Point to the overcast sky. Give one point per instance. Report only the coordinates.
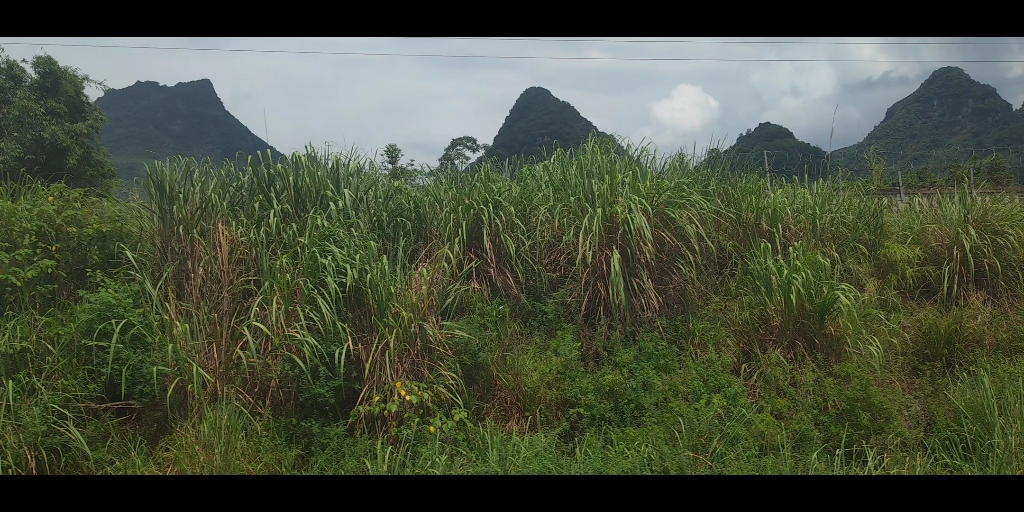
(421, 103)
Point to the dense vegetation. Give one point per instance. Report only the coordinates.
(149, 121)
(595, 312)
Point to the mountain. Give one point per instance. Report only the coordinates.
(950, 110)
(786, 154)
(538, 120)
(148, 121)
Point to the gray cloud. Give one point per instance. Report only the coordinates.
(422, 103)
(887, 80)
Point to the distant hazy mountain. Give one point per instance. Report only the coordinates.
(148, 121)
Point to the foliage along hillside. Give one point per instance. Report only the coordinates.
(149, 121)
(537, 121)
(787, 155)
(950, 110)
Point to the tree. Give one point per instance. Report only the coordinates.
(49, 129)
(958, 174)
(997, 172)
(392, 161)
(459, 152)
(392, 155)
(921, 177)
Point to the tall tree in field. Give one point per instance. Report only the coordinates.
(49, 129)
(459, 152)
(392, 163)
(393, 160)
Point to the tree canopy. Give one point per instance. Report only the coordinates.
(49, 129)
(391, 162)
(459, 152)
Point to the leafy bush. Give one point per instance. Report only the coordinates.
(54, 238)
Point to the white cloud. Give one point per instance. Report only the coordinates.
(688, 109)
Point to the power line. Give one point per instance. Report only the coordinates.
(695, 41)
(525, 57)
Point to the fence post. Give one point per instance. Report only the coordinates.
(899, 176)
(767, 172)
(972, 177)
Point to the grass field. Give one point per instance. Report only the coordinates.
(592, 313)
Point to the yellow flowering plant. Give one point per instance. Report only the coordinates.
(410, 407)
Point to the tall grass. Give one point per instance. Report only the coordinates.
(990, 437)
(594, 311)
(312, 268)
(807, 308)
(971, 243)
(623, 234)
